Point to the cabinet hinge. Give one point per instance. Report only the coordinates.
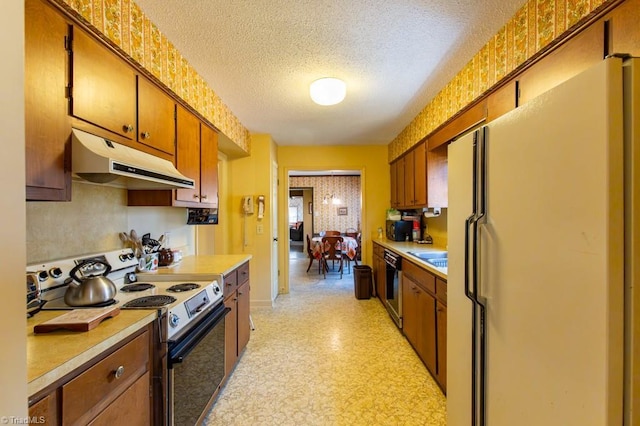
(68, 43)
(69, 92)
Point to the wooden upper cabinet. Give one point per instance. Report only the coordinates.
(420, 174)
(156, 117)
(571, 58)
(188, 153)
(208, 165)
(400, 184)
(103, 90)
(393, 181)
(409, 178)
(437, 177)
(48, 129)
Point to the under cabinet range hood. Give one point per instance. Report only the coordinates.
(100, 160)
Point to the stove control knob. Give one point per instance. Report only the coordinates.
(174, 320)
(42, 275)
(55, 272)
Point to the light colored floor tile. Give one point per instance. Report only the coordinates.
(322, 357)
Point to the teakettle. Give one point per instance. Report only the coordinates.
(90, 290)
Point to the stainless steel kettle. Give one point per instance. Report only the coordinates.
(91, 289)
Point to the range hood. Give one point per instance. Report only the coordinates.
(100, 160)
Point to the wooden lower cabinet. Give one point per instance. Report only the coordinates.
(45, 411)
(419, 321)
(126, 408)
(237, 296)
(379, 271)
(424, 318)
(115, 389)
(441, 321)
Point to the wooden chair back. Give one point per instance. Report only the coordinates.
(332, 251)
(332, 233)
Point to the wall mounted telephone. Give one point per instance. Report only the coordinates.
(247, 204)
(260, 206)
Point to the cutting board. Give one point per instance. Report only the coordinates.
(78, 320)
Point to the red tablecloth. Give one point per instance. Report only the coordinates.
(349, 246)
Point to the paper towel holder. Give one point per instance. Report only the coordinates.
(435, 213)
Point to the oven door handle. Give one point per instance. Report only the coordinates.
(181, 348)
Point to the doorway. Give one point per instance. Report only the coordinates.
(300, 220)
(335, 203)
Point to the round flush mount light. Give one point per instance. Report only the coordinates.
(328, 91)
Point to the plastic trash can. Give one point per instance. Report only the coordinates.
(363, 282)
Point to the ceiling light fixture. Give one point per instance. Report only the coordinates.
(328, 91)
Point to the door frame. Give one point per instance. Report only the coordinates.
(284, 228)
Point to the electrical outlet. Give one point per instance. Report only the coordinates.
(260, 229)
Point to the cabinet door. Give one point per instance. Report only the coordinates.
(45, 409)
(104, 87)
(188, 153)
(131, 408)
(244, 322)
(409, 190)
(208, 166)
(427, 336)
(47, 132)
(420, 175)
(410, 312)
(231, 334)
(381, 277)
(441, 319)
(393, 173)
(400, 183)
(156, 117)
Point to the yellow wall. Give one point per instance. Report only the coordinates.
(252, 176)
(371, 160)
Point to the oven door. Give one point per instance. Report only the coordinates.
(196, 368)
(393, 296)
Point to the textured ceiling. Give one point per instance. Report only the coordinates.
(395, 55)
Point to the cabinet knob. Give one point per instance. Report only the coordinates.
(204, 197)
(127, 128)
(196, 196)
(119, 372)
(145, 135)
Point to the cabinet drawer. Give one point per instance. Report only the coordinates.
(243, 273)
(230, 283)
(419, 275)
(441, 290)
(92, 391)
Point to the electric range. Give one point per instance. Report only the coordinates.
(183, 302)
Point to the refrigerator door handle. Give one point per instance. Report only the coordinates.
(472, 279)
(470, 285)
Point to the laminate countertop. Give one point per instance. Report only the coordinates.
(50, 356)
(404, 247)
(200, 267)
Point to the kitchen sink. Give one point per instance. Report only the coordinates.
(438, 259)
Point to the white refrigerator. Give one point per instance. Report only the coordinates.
(544, 251)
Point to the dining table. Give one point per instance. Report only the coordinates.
(349, 247)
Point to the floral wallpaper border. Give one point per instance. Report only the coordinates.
(532, 28)
(126, 26)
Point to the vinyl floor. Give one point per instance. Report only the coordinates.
(323, 357)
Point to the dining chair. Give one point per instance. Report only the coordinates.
(332, 233)
(311, 256)
(350, 232)
(332, 247)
